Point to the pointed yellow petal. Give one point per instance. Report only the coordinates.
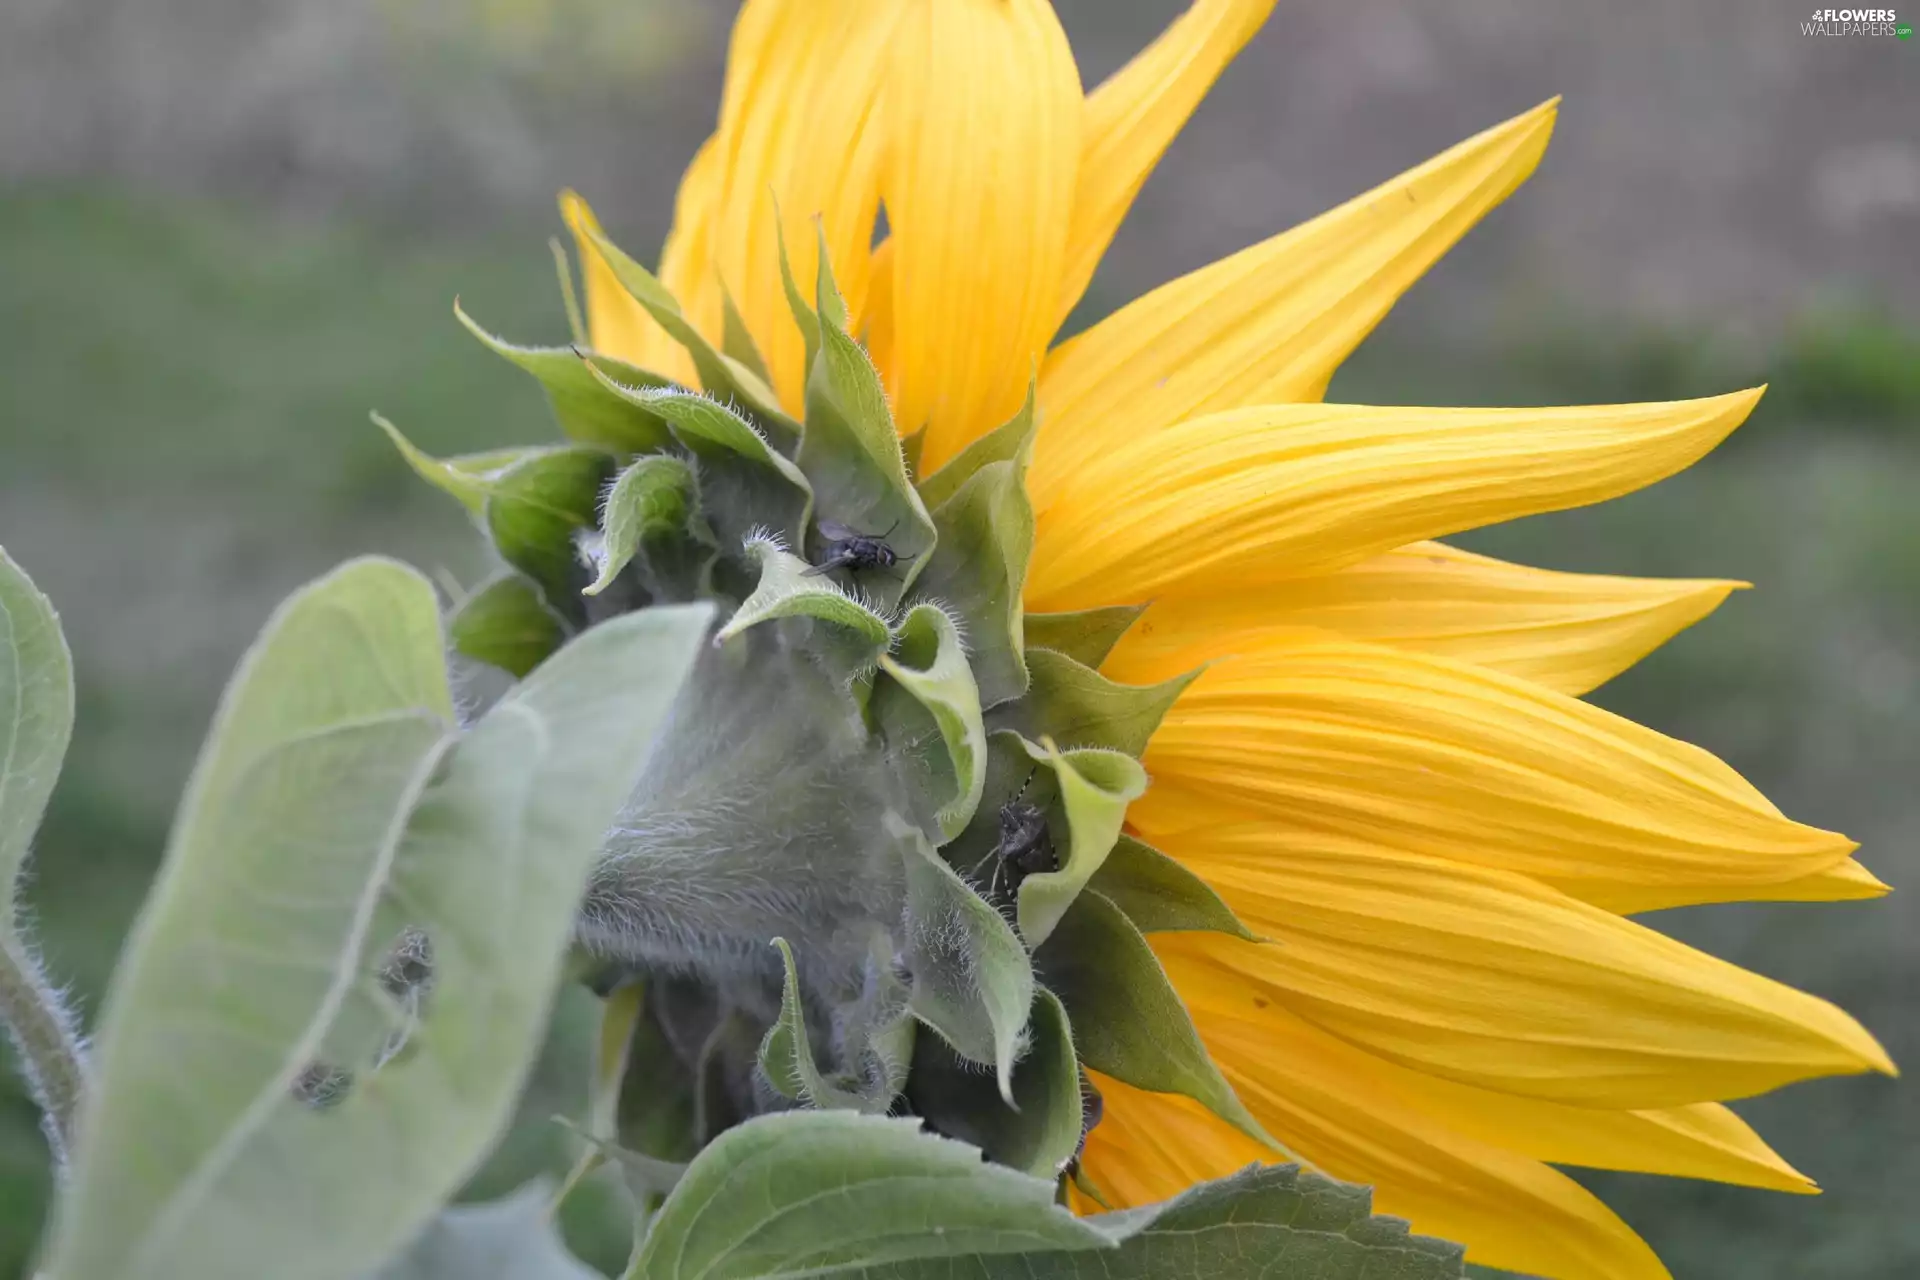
(1508, 1210)
(983, 104)
(1133, 117)
(617, 325)
(1255, 496)
(1441, 758)
(1701, 1140)
(1495, 980)
(800, 130)
(1568, 631)
(1843, 882)
(1272, 322)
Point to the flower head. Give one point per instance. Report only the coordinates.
(1128, 735)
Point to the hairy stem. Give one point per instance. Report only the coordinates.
(43, 1033)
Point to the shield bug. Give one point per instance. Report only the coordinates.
(1025, 846)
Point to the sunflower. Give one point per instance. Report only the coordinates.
(1387, 857)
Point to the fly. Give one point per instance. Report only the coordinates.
(849, 549)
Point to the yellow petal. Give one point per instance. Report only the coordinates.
(983, 104)
(1152, 1146)
(1843, 882)
(1133, 117)
(1568, 631)
(617, 325)
(1701, 1140)
(1271, 323)
(1508, 1210)
(1495, 980)
(799, 128)
(1441, 758)
(1259, 495)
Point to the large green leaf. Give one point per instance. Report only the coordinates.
(1076, 706)
(582, 405)
(931, 673)
(851, 453)
(507, 1239)
(535, 508)
(1086, 636)
(1271, 1222)
(1128, 1020)
(1039, 1133)
(36, 723)
(507, 623)
(1094, 787)
(331, 797)
(828, 1193)
(1161, 896)
(972, 980)
(720, 374)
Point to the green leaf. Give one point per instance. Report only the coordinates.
(826, 1193)
(745, 482)
(36, 724)
(979, 567)
(1008, 442)
(468, 478)
(720, 374)
(653, 499)
(508, 1239)
(1039, 1133)
(620, 1013)
(1268, 1222)
(851, 453)
(1094, 787)
(586, 411)
(656, 1105)
(325, 800)
(1087, 636)
(736, 340)
(972, 979)
(1161, 896)
(508, 624)
(534, 509)
(932, 669)
(786, 1055)
(1129, 1021)
(786, 590)
(36, 720)
(1076, 706)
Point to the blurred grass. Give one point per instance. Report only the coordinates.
(185, 440)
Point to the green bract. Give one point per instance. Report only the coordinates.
(846, 770)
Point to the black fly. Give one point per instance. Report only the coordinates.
(1025, 846)
(848, 549)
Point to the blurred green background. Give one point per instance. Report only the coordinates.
(226, 232)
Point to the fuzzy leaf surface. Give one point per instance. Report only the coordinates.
(1041, 1130)
(533, 510)
(586, 411)
(1267, 1222)
(972, 979)
(851, 452)
(467, 478)
(1076, 706)
(832, 1193)
(1129, 1021)
(653, 498)
(720, 374)
(931, 669)
(324, 800)
(1161, 896)
(786, 1056)
(1095, 788)
(979, 568)
(506, 1239)
(507, 623)
(787, 589)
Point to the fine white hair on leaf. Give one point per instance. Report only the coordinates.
(765, 536)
